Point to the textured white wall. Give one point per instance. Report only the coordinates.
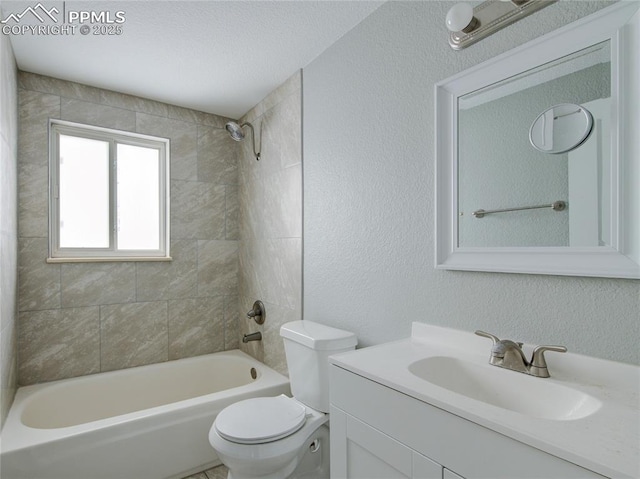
(368, 131)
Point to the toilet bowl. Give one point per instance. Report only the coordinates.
(281, 437)
(287, 436)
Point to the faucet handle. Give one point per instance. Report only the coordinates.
(258, 313)
(538, 362)
(495, 339)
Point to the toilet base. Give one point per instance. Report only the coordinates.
(314, 462)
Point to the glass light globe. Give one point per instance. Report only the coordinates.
(459, 17)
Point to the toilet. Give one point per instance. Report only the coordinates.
(281, 437)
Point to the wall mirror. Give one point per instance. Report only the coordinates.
(538, 155)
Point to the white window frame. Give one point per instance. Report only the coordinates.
(113, 137)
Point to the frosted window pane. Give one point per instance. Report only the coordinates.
(84, 193)
(138, 194)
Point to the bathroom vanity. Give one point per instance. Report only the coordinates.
(431, 406)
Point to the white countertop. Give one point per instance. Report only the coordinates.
(606, 442)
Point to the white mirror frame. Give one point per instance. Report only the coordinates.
(619, 23)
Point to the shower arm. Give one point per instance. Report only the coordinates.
(253, 137)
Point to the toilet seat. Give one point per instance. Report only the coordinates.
(260, 420)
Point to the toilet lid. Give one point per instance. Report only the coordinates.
(260, 420)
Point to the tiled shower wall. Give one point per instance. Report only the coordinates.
(271, 220)
(8, 224)
(83, 318)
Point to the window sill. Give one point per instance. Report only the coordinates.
(106, 259)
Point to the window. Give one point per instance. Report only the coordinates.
(109, 194)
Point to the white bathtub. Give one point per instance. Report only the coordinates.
(149, 422)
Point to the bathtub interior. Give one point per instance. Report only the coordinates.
(91, 398)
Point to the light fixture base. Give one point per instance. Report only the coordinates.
(494, 15)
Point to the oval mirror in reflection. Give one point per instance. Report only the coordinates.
(561, 128)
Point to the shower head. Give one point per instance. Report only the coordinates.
(235, 131)
(237, 134)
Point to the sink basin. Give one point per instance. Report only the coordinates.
(536, 397)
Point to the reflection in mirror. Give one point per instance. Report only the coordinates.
(561, 128)
(498, 169)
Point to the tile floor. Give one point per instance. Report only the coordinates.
(218, 472)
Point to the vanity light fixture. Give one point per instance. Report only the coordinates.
(468, 24)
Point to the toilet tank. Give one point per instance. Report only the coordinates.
(308, 346)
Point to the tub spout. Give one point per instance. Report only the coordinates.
(252, 337)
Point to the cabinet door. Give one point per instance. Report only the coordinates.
(359, 451)
(374, 455)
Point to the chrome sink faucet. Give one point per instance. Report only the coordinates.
(509, 355)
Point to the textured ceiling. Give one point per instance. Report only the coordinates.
(221, 57)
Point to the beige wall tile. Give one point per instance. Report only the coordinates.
(217, 268)
(9, 380)
(134, 103)
(201, 210)
(39, 282)
(217, 156)
(184, 114)
(97, 115)
(59, 343)
(133, 334)
(270, 221)
(277, 204)
(282, 134)
(196, 326)
(272, 270)
(184, 142)
(250, 216)
(232, 213)
(8, 358)
(8, 279)
(8, 95)
(36, 108)
(251, 279)
(84, 284)
(132, 296)
(169, 280)
(209, 119)
(197, 210)
(231, 322)
(55, 86)
(33, 199)
(9, 125)
(292, 85)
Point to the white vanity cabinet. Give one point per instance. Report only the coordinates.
(380, 433)
(362, 451)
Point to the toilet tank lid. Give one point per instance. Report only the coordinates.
(318, 336)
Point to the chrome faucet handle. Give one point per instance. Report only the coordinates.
(538, 365)
(493, 338)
